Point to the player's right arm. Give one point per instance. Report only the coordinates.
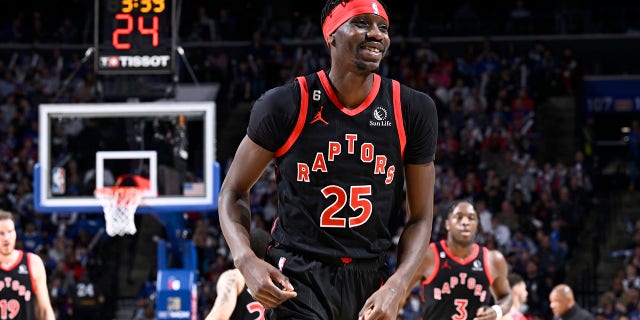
(235, 220)
(249, 163)
(228, 287)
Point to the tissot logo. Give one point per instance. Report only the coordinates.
(380, 115)
(158, 61)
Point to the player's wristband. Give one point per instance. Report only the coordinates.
(498, 310)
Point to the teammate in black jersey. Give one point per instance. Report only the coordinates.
(461, 279)
(234, 300)
(344, 141)
(23, 279)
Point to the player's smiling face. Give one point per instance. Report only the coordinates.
(462, 223)
(363, 39)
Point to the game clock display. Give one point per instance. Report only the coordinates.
(135, 36)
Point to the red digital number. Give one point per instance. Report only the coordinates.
(153, 31)
(115, 36)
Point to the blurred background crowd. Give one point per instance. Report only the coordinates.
(492, 70)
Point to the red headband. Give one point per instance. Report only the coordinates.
(345, 11)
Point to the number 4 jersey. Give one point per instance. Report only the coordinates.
(17, 292)
(339, 170)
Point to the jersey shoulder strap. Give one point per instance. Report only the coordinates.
(302, 116)
(397, 108)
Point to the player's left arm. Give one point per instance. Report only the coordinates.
(44, 311)
(421, 129)
(385, 302)
(414, 240)
(500, 288)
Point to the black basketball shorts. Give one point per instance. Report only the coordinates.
(328, 288)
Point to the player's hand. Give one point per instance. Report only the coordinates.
(261, 279)
(383, 304)
(486, 313)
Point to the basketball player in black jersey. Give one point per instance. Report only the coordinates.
(233, 300)
(23, 279)
(344, 141)
(460, 278)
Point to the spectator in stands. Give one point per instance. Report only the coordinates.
(631, 278)
(501, 232)
(484, 217)
(521, 181)
(552, 262)
(537, 287)
(87, 298)
(145, 299)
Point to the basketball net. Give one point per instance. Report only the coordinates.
(119, 204)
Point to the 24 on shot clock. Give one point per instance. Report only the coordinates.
(135, 36)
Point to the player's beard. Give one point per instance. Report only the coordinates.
(364, 70)
(5, 250)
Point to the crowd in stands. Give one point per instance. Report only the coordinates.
(622, 297)
(530, 208)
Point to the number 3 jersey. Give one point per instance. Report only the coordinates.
(456, 287)
(339, 170)
(17, 292)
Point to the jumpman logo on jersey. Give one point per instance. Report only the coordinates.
(318, 117)
(445, 265)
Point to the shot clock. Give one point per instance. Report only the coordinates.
(135, 36)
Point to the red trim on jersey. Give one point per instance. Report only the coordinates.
(302, 117)
(471, 257)
(34, 284)
(436, 265)
(434, 272)
(326, 84)
(487, 266)
(397, 110)
(273, 226)
(15, 263)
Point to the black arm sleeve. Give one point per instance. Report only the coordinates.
(421, 126)
(274, 116)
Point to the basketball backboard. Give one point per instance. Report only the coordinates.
(86, 146)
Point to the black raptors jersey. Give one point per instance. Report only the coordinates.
(247, 308)
(17, 296)
(340, 171)
(456, 288)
